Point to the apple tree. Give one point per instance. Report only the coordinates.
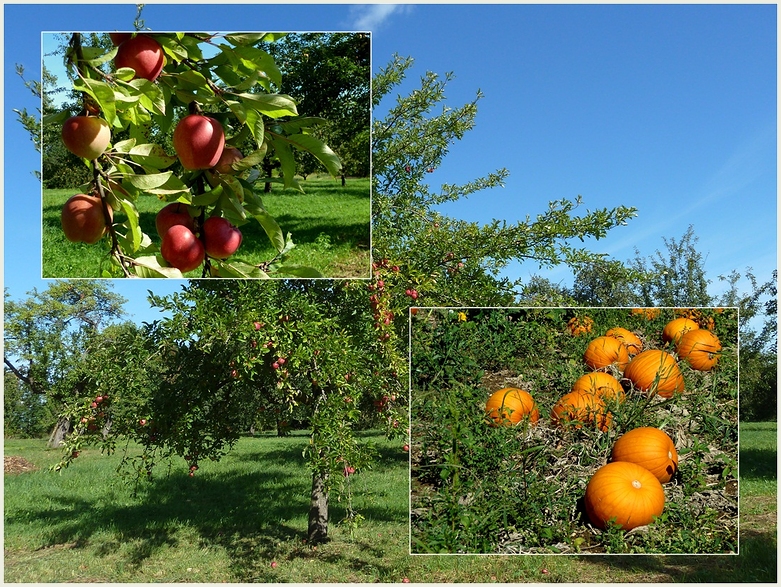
(47, 336)
(187, 119)
(232, 353)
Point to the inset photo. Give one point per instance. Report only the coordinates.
(206, 155)
(574, 431)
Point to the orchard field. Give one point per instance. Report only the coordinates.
(238, 516)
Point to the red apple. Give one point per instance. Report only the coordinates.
(181, 248)
(86, 136)
(142, 422)
(82, 219)
(229, 156)
(405, 448)
(142, 54)
(273, 564)
(175, 213)
(220, 237)
(198, 141)
(119, 38)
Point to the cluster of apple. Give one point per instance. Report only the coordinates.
(199, 142)
(97, 407)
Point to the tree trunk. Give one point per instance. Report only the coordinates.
(318, 509)
(344, 181)
(61, 429)
(106, 427)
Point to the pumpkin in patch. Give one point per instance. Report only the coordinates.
(625, 493)
(701, 348)
(647, 313)
(631, 341)
(510, 405)
(650, 448)
(600, 384)
(604, 351)
(578, 326)
(655, 369)
(677, 327)
(581, 407)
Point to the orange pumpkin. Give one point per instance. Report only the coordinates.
(604, 351)
(580, 407)
(650, 448)
(600, 384)
(648, 313)
(625, 493)
(578, 326)
(631, 341)
(677, 327)
(655, 370)
(510, 405)
(701, 348)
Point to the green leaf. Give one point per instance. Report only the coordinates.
(149, 182)
(56, 118)
(319, 149)
(208, 198)
(240, 269)
(152, 155)
(286, 160)
(150, 267)
(150, 95)
(272, 105)
(103, 94)
(272, 229)
(245, 38)
(135, 235)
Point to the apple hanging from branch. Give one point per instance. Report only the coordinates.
(86, 136)
(174, 213)
(220, 238)
(182, 249)
(83, 219)
(142, 54)
(198, 141)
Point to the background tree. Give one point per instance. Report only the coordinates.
(46, 337)
(675, 278)
(329, 75)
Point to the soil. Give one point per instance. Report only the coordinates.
(17, 465)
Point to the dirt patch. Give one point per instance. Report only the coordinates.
(17, 465)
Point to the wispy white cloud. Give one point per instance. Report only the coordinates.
(369, 17)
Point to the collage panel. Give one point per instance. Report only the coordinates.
(574, 431)
(196, 155)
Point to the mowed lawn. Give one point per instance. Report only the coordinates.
(330, 226)
(237, 516)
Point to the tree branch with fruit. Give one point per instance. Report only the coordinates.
(150, 93)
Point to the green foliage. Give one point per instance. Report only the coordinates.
(519, 489)
(343, 59)
(461, 259)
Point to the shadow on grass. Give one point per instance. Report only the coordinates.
(248, 514)
(758, 464)
(757, 562)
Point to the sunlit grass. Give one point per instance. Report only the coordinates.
(330, 226)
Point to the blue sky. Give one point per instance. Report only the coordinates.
(668, 108)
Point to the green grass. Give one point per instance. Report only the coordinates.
(330, 226)
(231, 520)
